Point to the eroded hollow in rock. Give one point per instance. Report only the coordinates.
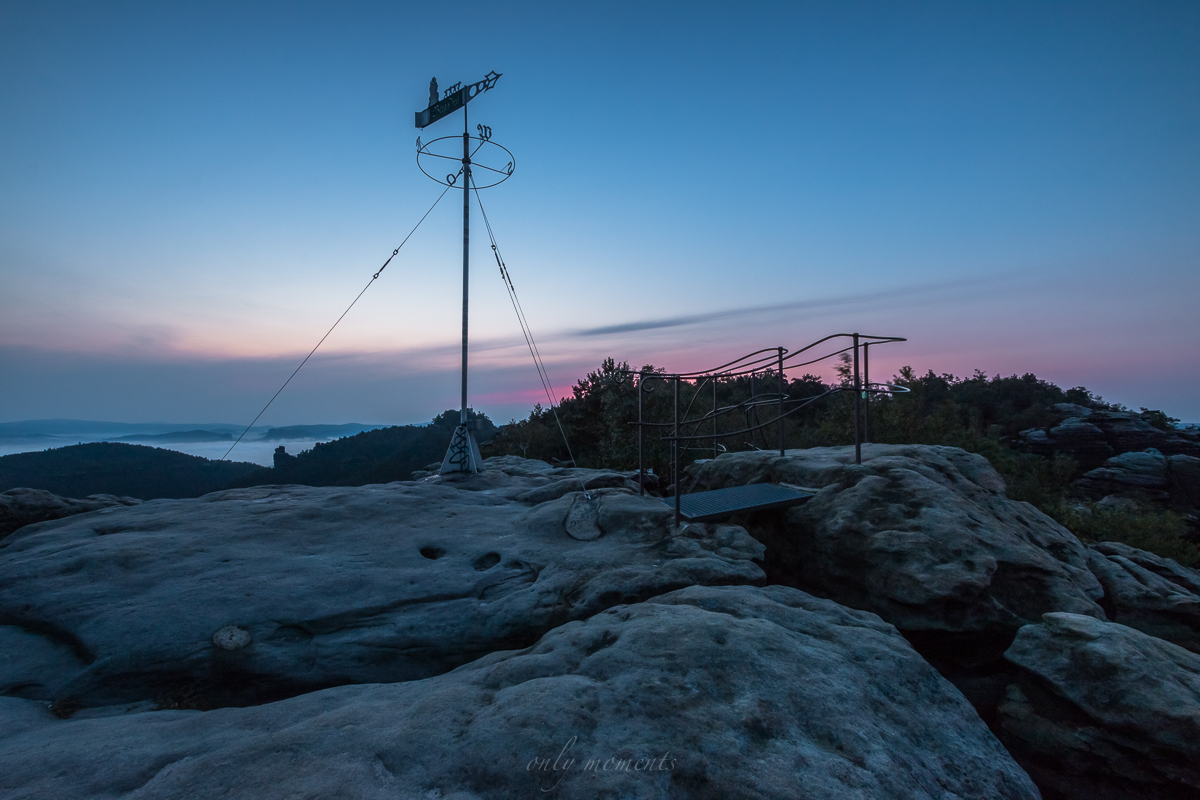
(974, 662)
(432, 553)
(486, 561)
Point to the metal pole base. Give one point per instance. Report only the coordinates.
(463, 455)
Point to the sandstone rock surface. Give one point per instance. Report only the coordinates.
(331, 586)
(1103, 712)
(21, 507)
(1144, 591)
(731, 693)
(922, 536)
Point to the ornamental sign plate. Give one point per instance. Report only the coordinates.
(455, 98)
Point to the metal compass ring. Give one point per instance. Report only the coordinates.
(478, 168)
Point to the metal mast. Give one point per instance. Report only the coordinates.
(463, 453)
(466, 166)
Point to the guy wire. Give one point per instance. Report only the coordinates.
(374, 278)
(543, 376)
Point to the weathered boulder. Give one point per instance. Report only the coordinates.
(1144, 591)
(1129, 431)
(922, 536)
(1091, 436)
(328, 586)
(21, 507)
(1074, 437)
(1145, 472)
(1148, 475)
(730, 693)
(1103, 712)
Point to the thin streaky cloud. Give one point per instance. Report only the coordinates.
(436, 356)
(797, 305)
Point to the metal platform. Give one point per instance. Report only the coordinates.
(705, 506)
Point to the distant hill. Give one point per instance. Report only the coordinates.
(179, 437)
(121, 469)
(91, 428)
(40, 434)
(314, 431)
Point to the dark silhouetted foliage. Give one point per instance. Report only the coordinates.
(379, 456)
(1161, 532)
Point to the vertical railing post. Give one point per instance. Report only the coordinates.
(754, 411)
(857, 405)
(641, 465)
(867, 392)
(675, 453)
(714, 383)
(781, 444)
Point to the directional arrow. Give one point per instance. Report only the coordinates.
(455, 100)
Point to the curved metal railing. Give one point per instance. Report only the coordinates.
(768, 362)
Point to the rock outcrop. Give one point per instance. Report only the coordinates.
(250, 595)
(1103, 712)
(730, 693)
(1144, 591)
(925, 538)
(1091, 436)
(922, 536)
(501, 634)
(21, 507)
(1172, 480)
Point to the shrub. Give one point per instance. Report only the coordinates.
(1158, 532)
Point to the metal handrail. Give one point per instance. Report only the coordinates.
(752, 364)
(805, 401)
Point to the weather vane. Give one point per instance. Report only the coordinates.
(463, 455)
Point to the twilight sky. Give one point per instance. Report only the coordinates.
(191, 193)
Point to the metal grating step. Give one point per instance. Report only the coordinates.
(704, 506)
